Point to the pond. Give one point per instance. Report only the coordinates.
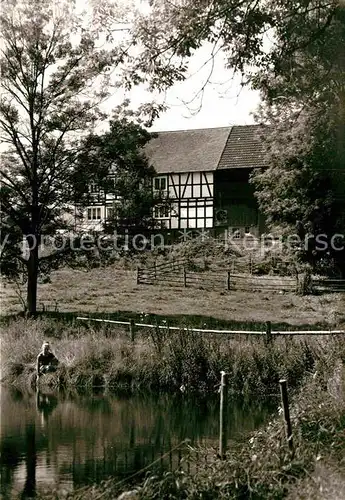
(65, 441)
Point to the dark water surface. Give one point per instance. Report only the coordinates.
(66, 441)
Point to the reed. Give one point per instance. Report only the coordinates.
(161, 361)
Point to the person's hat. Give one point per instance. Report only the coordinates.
(45, 344)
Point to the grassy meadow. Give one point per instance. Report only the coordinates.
(107, 290)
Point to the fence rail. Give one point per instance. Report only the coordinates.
(176, 273)
(334, 285)
(267, 332)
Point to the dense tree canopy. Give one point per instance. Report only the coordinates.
(254, 35)
(304, 186)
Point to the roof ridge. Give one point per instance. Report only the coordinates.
(191, 129)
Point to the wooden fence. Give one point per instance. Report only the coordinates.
(266, 331)
(177, 274)
(332, 285)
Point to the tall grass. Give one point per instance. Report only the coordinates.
(161, 361)
(264, 468)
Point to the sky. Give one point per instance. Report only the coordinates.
(224, 101)
(219, 108)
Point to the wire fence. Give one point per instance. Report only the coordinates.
(266, 330)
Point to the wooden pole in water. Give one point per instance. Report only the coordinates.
(285, 403)
(223, 415)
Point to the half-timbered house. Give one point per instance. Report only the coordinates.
(205, 174)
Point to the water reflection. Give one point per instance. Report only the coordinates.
(45, 404)
(67, 441)
(29, 489)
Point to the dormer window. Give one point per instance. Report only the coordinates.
(160, 183)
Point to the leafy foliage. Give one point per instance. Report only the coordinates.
(122, 170)
(304, 105)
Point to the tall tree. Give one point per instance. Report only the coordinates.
(55, 72)
(304, 104)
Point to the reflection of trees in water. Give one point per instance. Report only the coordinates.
(97, 436)
(10, 458)
(134, 432)
(29, 490)
(45, 404)
(14, 447)
(12, 450)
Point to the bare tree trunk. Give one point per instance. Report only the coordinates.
(32, 267)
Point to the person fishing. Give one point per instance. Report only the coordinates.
(46, 361)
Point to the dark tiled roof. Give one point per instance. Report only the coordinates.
(206, 149)
(187, 150)
(243, 148)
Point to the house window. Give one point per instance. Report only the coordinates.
(160, 183)
(93, 187)
(161, 212)
(94, 213)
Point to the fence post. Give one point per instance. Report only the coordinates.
(132, 329)
(297, 283)
(285, 403)
(228, 281)
(184, 277)
(268, 332)
(223, 415)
